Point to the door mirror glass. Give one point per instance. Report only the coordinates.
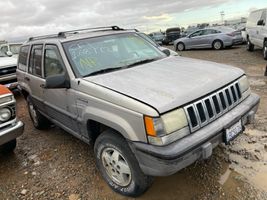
(57, 81)
(167, 52)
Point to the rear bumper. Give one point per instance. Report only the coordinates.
(167, 160)
(11, 132)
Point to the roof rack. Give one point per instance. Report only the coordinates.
(43, 37)
(104, 28)
(63, 34)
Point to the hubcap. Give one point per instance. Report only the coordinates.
(116, 166)
(180, 47)
(33, 113)
(217, 45)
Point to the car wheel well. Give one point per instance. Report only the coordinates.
(95, 129)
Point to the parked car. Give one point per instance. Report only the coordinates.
(10, 49)
(153, 42)
(217, 38)
(147, 114)
(257, 31)
(10, 126)
(8, 66)
(157, 36)
(171, 35)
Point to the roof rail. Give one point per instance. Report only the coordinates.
(43, 37)
(104, 28)
(63, 34)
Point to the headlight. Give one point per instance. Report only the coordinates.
(174, 120)
(168, 128)
(244, 87)
(5, 114)
(244, 84)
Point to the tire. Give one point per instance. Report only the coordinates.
(250, 46)
(180, 46)
(217, 45)
(118, 165)
(9, 146)
(39, 121)
(265, 50)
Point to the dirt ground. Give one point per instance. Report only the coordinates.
(52, 164)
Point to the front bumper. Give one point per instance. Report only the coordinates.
(167, 160)
(11, 132)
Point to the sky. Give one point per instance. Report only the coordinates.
(24, 18)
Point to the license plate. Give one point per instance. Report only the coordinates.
(233, 131)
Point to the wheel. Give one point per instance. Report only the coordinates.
(118, 165)
(250, 46)
(180, 46)
(217, 45)
(39, 121)
(265, 50)
(9, 146)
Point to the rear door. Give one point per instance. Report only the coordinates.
(34, 77)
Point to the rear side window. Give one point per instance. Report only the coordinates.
(35, 66)
(53, 64)
(23, 55)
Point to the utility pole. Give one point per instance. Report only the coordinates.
(222, 16)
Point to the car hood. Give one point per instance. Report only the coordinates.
(170, 82)
(8, 61)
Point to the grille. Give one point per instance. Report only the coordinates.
(204, 111)
(8, 70)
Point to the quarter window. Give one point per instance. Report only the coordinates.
(53, 64)
(35, 66)
(23, 55)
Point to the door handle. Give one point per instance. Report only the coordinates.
(27, 79)
(42, 86)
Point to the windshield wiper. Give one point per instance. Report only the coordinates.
(141, 62)
(101, 71)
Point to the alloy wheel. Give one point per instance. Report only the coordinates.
(116, 167)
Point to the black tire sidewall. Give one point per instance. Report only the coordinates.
(138, 183)
(265, 50)
(9, 146)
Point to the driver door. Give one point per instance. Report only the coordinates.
(57, 100)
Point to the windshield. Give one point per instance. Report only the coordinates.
(91, 55)
(14, 48)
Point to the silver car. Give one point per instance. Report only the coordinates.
(147, 114)
(217, 38)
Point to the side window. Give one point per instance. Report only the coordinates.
(4, 49)
(35, 66)
(198, 33)
(23, 55)
(263, 17)
(53, 64)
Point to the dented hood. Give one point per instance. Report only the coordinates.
(170, 82)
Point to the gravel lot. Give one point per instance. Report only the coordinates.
(52, 164)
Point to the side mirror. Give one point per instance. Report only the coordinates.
(9, 53)
(167, 52)
(57, 81)
(260, 22)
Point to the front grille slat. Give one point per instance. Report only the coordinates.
(211, 107)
